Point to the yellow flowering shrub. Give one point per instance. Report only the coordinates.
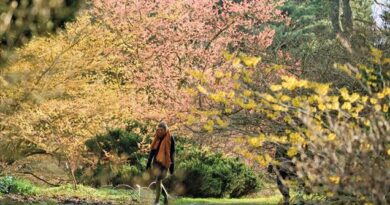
(338, 138)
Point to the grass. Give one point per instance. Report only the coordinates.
(271, 200)
(87, 193)
(24, 190)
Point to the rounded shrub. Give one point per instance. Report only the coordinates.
(209, 174)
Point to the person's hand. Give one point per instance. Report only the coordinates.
(172, 168)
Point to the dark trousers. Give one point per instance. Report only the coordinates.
(160, 172)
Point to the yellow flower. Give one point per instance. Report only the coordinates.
(289, 83)
(236, 76)
(385, 108)
(331, 137)
(388, 152)
(292, 151)
(321, 107)
(377, 108)
(250, 105)
(250, 61)
(334, 179)
(228, 74)
(269, 98)
(236, 85)
(296, 102)
(256, 141)
(221, 123)
(296, 138)
(219, 74)
(236, 63)
(322, 89)
(228, 56)
(247, 93)
(208, 128)
(364, 99)
(344, 93)
(377, 54)
(303, 83)
(276, 87)
(346, 106)
(373, 101)
(190, 120)
(285, 98)
(202, 89)
(277, 107)
(231, 94)
(354, 97)
(329, 194)
(218, 97)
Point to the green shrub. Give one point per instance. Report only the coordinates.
(124, 145)
(208, 174)
(9, 184)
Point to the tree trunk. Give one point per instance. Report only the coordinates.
(335, 16)
(71, 171)
(347, 17)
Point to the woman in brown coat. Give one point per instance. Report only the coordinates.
(162, 151)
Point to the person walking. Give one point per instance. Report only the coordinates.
(161, 156)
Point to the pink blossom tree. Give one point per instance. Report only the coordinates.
(172, 38)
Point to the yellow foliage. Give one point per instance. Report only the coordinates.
(292, 151)
(236, 63)
(331, 137)
(334, 179)
(202, 89)
(344, 93)
(219, 74)
(221, 123)
(250, 61)
(276, 87)
(346, 106)
(296, 138)
(377, 54)
(321, 89)
(289, 83)
(228, 56)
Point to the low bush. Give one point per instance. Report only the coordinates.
(209, 174)
(10, 184)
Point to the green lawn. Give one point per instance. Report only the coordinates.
(194, 201)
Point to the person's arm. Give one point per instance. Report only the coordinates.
(151, 156)
(172, 166)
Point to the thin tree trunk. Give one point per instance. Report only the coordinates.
(347, 17)
(71, 171)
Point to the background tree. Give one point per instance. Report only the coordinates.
(61, 90)
(172, 37)
(22, 19)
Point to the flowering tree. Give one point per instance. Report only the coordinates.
(173, 37)
(338, 139)
(61, 90)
